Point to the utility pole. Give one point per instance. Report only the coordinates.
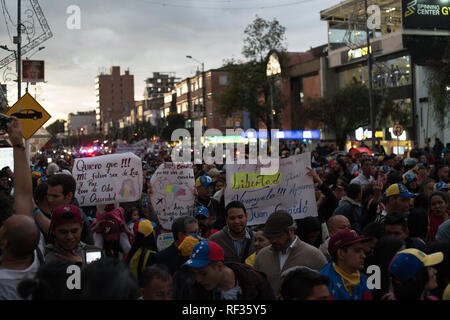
(204, 95)
(18, 41)
(369, 65)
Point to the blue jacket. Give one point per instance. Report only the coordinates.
(337, 288)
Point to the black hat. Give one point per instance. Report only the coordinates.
(277, 223)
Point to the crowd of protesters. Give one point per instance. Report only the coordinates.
(372, 210)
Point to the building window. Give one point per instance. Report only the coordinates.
(223, 80)
(184, 89)
(392, 73)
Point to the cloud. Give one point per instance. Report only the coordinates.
(146, 37)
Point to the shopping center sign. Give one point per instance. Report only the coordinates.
(426, 14)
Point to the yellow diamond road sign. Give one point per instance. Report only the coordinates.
(30, 113)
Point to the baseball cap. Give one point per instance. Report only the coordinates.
(408, 177)
(408, 262)
(67, 213)
(399, 189)
(188, 243)
(446, 294)
(344, 238)
(420, 166)
(201, 211)
(203, 181)
(204, 253)
(337, 186)
(143, 226)
(440, 186)
(277, 223)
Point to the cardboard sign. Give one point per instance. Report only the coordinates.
(108, 179)
(289, 189)
(164, 241)
(173, 192)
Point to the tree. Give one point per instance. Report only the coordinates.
(347, 110)
(438, 87)
(55, 128)
(173, 122)
(249, 87)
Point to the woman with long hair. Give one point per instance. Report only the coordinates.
(438, 212)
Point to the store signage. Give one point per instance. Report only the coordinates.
(426, 14)
(354, 54)
(358, 53)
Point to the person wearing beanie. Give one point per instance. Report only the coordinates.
(143, 250)
(286, 250)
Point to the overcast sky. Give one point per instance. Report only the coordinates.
(148, 36)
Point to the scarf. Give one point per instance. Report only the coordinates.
(350, 280)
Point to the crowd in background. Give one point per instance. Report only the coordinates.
(381, 210)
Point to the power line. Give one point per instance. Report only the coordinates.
(9, 16)
(6, 21)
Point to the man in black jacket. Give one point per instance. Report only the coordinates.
(226, 281)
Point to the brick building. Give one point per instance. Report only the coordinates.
(115, 98)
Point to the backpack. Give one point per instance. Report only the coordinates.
(139, 261)
(111, 237)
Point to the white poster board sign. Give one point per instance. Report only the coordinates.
(289, 189)
(108, 179)
(6, 158)
(173, 187)
(164, 241)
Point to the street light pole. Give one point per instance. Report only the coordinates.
(369, 64)
(203, 89)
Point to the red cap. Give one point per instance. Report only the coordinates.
(66, 214)
(344, 238)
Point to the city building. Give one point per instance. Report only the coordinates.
(404, 37)
(115, 98)
(189, 96)
(80, 123)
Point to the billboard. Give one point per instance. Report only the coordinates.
(426, 14)
(32, 71)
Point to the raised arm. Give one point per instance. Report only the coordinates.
(23, 188)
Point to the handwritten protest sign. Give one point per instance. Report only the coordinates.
(164, 241)
(289, 189)
(108, 179)
(173, 192)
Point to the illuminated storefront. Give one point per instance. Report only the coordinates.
(405, 35)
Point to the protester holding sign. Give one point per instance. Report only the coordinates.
(172, 195)
(290, 189)
(108, 179)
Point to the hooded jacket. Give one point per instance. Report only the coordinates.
(350, 209)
